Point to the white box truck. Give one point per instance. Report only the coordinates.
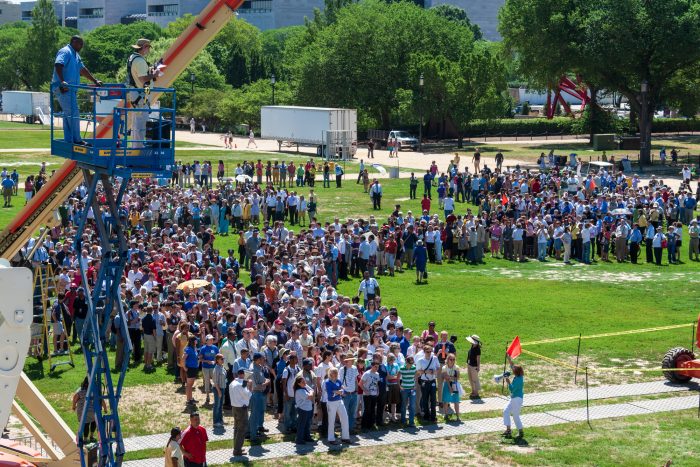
(332, 131)
(31, 104)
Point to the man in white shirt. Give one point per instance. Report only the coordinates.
(427, 369)
(240, 393)
(369, 288)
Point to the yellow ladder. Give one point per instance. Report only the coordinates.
(45, 282)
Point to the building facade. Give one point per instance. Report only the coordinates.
(263, 14)
(481, 12)
(95, 13)
(9, 12)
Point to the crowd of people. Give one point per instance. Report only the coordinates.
(268, 333)
(269, 319)
(558, 213)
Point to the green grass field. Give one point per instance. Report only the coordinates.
(496, 300)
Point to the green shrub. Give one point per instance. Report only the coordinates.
(529, 126)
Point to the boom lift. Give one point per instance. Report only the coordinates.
(106, 166)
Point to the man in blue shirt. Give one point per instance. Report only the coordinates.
(7, 189)
(635, 240)
(68, 68)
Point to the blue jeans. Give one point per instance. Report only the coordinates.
(290, 414)
(79, 324)
(218, 409)
(257, 413)
(587, 252)
(408, 397)
(350, 401)
(541, 251)
(71, 115)
(304, 425)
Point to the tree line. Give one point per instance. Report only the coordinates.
(371, 55)
(366, 55)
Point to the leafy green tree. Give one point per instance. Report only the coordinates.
(459, 16)
(177, 27)
(107, 48)
(361, 59)
(237, 52)
(42, 41)
(614, 44)
(13, 39)
(203, 105)
(243, 105)
(274, 47)
(206, 74)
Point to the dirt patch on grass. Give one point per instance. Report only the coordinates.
(157, 408)
(583, 273)
(452, 451)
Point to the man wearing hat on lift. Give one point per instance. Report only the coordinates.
(139, 75)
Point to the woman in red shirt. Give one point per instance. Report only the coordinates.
(390, 247)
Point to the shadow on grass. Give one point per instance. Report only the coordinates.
(34, 369)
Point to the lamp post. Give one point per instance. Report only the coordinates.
(644, 149)
(420, 111)
(192, 79)
(273, 80)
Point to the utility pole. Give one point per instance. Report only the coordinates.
(420, 110)
(273, 81)
(644, 143)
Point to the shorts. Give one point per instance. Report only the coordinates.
(58, 328)
(393, 394)
(192, 373)
(149, 344)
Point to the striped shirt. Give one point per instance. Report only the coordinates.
(408, 377)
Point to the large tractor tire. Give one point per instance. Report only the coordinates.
(673, 359)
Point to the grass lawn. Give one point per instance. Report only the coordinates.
(5, 125)
(41, 138)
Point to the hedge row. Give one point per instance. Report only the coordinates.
(566, 126)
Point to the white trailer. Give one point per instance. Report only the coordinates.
(332, 131)
(26, 103)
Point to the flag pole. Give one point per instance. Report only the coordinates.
(578, 353)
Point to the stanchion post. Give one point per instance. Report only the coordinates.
(505, 360)
(588, 408)
(578, 353)
(692, 338)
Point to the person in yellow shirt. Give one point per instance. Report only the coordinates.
(134, 217)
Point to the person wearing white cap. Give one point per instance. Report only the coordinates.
(474, 365)
(694, 234)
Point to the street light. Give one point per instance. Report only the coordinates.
(644, 145)
(273, 80)
(192, 80)
(420, 110)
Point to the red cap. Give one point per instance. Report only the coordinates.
(279, 321)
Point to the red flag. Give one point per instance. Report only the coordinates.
(514, 348)
(504, 199)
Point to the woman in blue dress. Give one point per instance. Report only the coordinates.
(224, 211)
(450, 387)
(420, 257)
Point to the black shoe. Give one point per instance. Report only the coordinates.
(263, 430)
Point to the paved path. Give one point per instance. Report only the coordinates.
(467, 406)
(487, 425)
